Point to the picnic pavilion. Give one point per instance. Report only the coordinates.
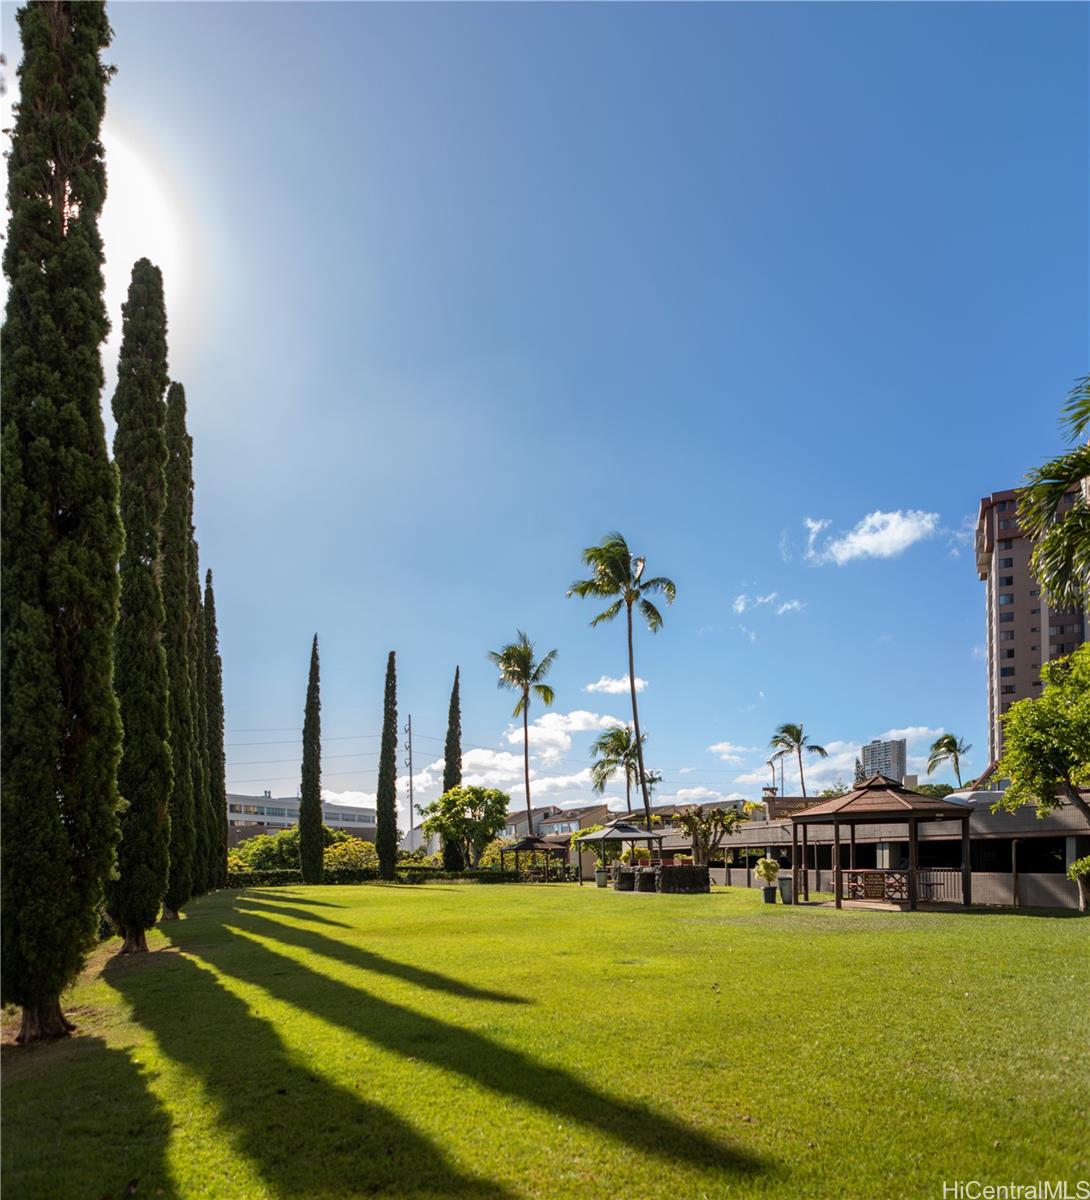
(877, 801)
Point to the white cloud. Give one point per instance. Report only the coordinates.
(912, 734)
(695, 795)
(550, 734)
(790, 606)
(742, 602)
(785, 546)
(614, 687)
(686, 770)
(547, 784)
(877, 535)
(749, 633)
(976, 652)
(729, 752)
(362, 799)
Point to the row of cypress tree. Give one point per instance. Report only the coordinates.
(111, 712)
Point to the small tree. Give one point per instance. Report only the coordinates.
(1079, 872)
(708, 827)
(1046, 741)
(386, 799)
(604, 852)
(310, 790)
(470, 816)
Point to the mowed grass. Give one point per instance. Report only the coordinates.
(507, 1041)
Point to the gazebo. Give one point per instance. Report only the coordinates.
(622, 831)
(878, 801)
(532, 845)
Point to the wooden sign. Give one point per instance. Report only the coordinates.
(874, 885)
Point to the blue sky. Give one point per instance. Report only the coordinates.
(455, 290)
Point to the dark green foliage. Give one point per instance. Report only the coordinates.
(275, 851)
(62, 538)
(687, 879)
(453, 859)
(386, 800)
(203, 831)
(217, 767)
(268, 877)
(287, 876)
(177, 559)
(311, 843)
(140, 452)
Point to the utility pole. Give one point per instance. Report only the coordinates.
(409, 764)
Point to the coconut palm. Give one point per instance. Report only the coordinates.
(613, 751)
(1061, 556)
(790, 739)
(616, 572)
(520, 673)
(948, 748)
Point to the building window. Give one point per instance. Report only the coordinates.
(1006, 581)
(1006, 597)
(1007, 616)
(1002, 506)
(1005, 523)
(1007, 689)
(1006, 563)
(1006, 544)
(1034, 591)
(1008, 653)
(1007, 635)
(1053, 630)
(1006, 671)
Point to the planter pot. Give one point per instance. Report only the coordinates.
(785, 889)
(601, 876)
(770, 895)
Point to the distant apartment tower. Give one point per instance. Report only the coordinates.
(1022, 631)
(886, 758)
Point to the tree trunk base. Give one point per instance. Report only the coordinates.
(42, 1022)
(136, 942)
(169, 914)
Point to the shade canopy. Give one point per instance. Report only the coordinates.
(532, 845)
(880, 799)
(623, 831)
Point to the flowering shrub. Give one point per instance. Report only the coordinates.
(353, 854)
(767, 869)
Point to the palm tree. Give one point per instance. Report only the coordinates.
(521, 674)
(615, 750)
(616, 572)
(1061, 556)
(790, 739)
(948, 748)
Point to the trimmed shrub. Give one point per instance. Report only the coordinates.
(270, 878)
(647, 880)
(349, 875)
(624, 879)
(684, 879)
(353, 854)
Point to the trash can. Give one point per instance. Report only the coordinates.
(786, 894)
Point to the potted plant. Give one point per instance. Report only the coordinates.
(768, 869)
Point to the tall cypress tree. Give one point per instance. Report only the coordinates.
(60, 733)
(140, 452)
(311, 841)
(453, 859)
(176, 550)
(203, 855)
(217, 772)
(386, 800)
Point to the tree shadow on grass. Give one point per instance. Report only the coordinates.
(260, 905)
(501, 1069)
(278, 894)
(79, 1120)
(353, 955)
(305, 1136)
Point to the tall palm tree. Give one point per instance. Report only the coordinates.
(613, 751)
(790, 739)
(948, 748)
(1061, 555)
(616, 572)
(519, 672)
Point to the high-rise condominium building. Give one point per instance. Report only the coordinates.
(885, 758)
(1022, 631)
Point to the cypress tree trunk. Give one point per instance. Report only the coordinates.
(386, 800)
(311, 838)
(453, 859)
(217, 770)
(60, 733)
(140, 453)
(176, 550)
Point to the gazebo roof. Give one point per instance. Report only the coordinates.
(531, 843)
(622, 831)
(880, 799)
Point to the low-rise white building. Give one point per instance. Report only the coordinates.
(247, 816)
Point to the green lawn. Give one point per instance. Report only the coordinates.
(504, 1041)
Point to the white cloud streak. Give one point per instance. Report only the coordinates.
(614, 687)
(877, 535)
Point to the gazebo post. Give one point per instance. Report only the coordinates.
(851, 847)
(794, 863)
(837, 890)
(966, 863)
(913, 864)
(805, 865)
(517, 871)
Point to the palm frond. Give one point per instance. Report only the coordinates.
(660, 584)
(1045, 488)
(1075, 414)
(820, 751)
(609, 613)
(651, 615)
(1061, 561)
(544, 666)
(544, 693)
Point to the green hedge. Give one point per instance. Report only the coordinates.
(414, 874)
